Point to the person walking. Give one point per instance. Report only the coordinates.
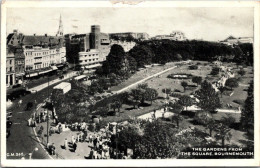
(65, 144)
(74, 147)
(95, 143)
(72, 139)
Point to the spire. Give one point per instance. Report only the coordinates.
(60, 30)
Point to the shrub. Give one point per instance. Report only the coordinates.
(177, 90)
(239, 101)
(176, 95)
(193, 67)
(215, 71)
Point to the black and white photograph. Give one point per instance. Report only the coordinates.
(118, 81)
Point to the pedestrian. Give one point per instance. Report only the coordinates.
(53, 149)
(74, 147)
(95, 143)
(72, 139)
(65, 144)
(95, 154)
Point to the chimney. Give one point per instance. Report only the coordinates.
(34, 34)
(15, 31)
(46, 35)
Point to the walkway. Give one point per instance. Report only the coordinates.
(45, 85)
(147, 78)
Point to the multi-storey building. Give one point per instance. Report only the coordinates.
(96, 42)
(139, 36)
(19, 65)
(90, 59)
(127, 45)
(10, 67)
(175, 36)
(41, 54)
(234, 41)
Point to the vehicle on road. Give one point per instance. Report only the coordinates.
(17, 93)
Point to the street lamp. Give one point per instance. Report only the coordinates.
(30, 154)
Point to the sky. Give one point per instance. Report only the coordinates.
(211, 23)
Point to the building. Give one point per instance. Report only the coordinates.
(127, 45)
(138, 36)
(231, 40)
(84, 45)
(19, 65)
(90, 59)
(42, 54)
(175, 36)
(10, 67)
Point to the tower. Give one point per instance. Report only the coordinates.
(60, 30)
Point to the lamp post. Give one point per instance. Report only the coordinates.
(48, 114)
(30, 154)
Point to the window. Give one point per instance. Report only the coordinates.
(11, 68)
(10, 61)
(89, 59)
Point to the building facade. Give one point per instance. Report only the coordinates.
(34, 54)
(175, 36)
(19, 65)
(138, 36)
(90, 59)
(234, 41)
(10, 67)
(127, 46)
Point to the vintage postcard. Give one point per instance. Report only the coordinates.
(129, 83)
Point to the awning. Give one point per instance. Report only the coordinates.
(54, 67)
(31, 75)
(19, 74)
(80, 77)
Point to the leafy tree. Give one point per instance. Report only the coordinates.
(208, 98)
(247, 115)
(143, 87)
(115, 60)
(185, 101)
(232, 83)
(215, 71)
(136, 95)
(211, 125)
(151, 94)
(167, 91)
(176, 108)
(203, 117)
(124, 97)
(241, 72)
(223, 130)
(221, 90)
(132, 63)
(184, 85)
(197, 80)
(142, 54)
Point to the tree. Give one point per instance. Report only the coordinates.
(136, 95)
(132, 64)
(143, 55)
(167, 91)
(208, 98)
(211, 125)
(223, 131)
(241, 72)
(247, 115)
(184, 85)
(143, 93)
(151, 94)
(197, 80)
(232, 83)
(221, 90)
(215, 71)
(185, 101)
(115, 59)
(203, 117)
(176, 108)
(124, 97)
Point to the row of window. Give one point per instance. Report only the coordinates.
(95, 59)
(40, 53)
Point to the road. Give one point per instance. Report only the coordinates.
(22, 139)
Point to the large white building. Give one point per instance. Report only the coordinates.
(233, 41)
(90, 59)
(175, 36)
